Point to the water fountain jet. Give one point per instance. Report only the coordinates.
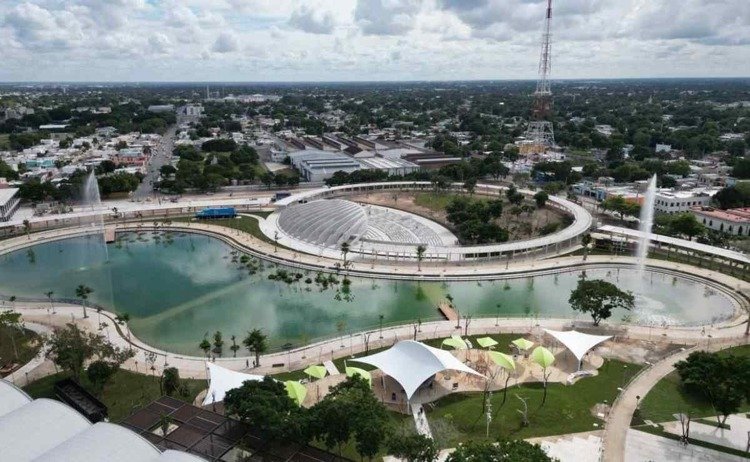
(646, 224)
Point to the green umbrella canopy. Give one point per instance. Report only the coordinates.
(456, 342)
(486, 342)
(296, 391)
(543, 356)
(522, 343)
(503, 360)
(316, 371)
(352, 371)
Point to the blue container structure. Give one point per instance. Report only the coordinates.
(216, 212)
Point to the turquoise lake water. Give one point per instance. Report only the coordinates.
(178, 287)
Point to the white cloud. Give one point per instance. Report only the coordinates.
(368, 39)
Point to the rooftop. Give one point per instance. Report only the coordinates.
(740, 215)
(6, 194)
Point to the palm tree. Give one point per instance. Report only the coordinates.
(234, 346)
(49, 295)
(83, 293)
(421, 249)
(344, 251)
(585, 240)
(218, 342)
(255, 342)
(205, 345)
(27, 228)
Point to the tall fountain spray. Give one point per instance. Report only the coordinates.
(647, 222)
(91, 200)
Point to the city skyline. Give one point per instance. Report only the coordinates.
(415, 40)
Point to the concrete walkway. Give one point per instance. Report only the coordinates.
(621, 413)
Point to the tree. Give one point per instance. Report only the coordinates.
(598, 298)
(687, 225)
(413, 447)
(502, 451)
(234, 346)
(70, 348)
(83, 293)
(741, 169)
(719, 378)
(12, 321)
(586, 241)
(351, 409)
(170, 380)
(205, 345)
(345, 248)
(541, 198)
(167, 170)
(255, 342)
(99, 372)
(470, 185)
(267, 179)
(733, 196)
(218, 342)
(267, 408)
(421, 249)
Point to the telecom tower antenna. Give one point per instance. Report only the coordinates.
(539, 134)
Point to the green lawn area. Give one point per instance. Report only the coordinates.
(4, 141)
(568, 409)
(27, 343)
(125, 391)
(434, 201)
(668, 397)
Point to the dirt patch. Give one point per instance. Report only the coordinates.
(637, 351)
(432, 205)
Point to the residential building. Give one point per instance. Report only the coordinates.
(731, 221)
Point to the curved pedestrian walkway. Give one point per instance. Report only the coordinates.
(621, 414)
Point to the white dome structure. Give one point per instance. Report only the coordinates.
(326, 223)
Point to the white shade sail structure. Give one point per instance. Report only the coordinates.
(222, 380)
(578, 343)
(411, 363)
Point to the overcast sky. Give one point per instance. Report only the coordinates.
(342, 40)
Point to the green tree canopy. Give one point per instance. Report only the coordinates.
(268, 409)
(70, 348)
(598, 298)
(503, 451)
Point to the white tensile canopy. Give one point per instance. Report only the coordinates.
(578, 343)
(411, 363)
(222, 380)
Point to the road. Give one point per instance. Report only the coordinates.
(160, 155)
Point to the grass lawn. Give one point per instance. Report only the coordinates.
(434, 201)
(27, 343)
(124, 392)
(668, 397)
(568, 409)
(4, 141)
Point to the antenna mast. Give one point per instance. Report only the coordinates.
(539, 134)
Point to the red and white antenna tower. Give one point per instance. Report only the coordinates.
(539, 134)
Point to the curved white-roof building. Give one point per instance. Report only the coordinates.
(45, 430)
(327, 223)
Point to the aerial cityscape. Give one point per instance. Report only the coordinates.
(393, 230)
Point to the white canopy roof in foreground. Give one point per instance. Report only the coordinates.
(578, 342)
(411, 363)
(223, 380)
(45, 430)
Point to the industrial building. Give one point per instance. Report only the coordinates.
(392, 166)
(315, 165)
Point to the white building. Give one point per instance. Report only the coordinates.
(9, 203)
(663, 148)
(191, 110)
(315, 165)
(732, 221)
(682, 201)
